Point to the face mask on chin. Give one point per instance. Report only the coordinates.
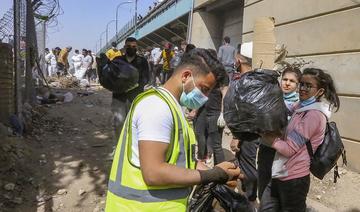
(308, 101)
(194, 99)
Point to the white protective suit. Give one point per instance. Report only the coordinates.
(85, 65)
(77, 60)
(50, 59)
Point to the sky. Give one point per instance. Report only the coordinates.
(83, 21)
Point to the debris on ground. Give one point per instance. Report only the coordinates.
(61, 191)
(81, 192)
(64, 82)
(9, 186)
(47, 96)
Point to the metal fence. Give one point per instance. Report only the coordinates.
(18, 27)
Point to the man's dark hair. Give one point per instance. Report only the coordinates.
(47, 49)
(84, 50)
(202, 61)
(76, 50)
(189, 47)
(113, 44)
(130, 39)
(227, 39)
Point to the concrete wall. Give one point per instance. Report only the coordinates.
(326, 32)
(233, 23)
(214, 19)
(206, 30)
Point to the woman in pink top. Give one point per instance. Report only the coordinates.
(288, 189)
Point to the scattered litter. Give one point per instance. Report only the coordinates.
(42, 199)
(84, 83)
(68, 97)
(9, 187)
(43, 162)
(89, 105)
(61, 191)
(81, 192)
(17, 200)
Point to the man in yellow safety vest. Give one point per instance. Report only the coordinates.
(154, 165)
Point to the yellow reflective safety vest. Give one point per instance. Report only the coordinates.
(127, 190)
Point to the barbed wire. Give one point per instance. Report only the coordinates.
(44, 10)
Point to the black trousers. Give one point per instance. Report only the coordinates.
(209, 136)
(247, 161)
(285, 196)
(265, 159)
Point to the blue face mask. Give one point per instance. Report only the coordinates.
(291, 97)
(194, 99)
(308, 101)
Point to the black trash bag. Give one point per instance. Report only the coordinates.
(204, 195)
(202, 199)
(254, 105)
(117, 75)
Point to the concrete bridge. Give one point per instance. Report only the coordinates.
(174, 20)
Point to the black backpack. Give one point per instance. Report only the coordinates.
(327, 154)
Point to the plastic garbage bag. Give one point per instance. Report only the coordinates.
(229, 200)
(116, 75)
(254, 105)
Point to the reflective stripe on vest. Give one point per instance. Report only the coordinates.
(151, 195)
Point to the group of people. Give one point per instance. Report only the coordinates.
(81, 65)
(155, 165)
(56, 61)
(84, 65)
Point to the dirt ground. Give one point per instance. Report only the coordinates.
(64, 165)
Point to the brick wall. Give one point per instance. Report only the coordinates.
(7, 83)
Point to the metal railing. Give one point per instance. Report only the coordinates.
(129, 28)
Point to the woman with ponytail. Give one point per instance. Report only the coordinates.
(289, 185)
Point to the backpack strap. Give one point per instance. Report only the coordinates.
(308, 144)
(310, 150)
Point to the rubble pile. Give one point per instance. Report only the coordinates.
(64, 82)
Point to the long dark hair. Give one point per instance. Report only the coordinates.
(325, 81)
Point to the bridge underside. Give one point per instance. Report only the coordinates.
(173, 32)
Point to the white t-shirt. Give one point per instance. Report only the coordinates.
(155, 55)
(152, 121)
(86, 62)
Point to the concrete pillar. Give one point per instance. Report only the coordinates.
(206, 30)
